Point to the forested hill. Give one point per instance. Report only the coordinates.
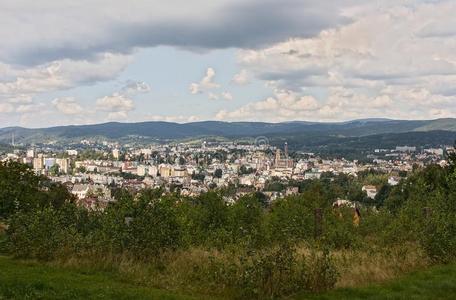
(173, 131)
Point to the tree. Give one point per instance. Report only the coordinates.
(246, 220)
(154, 227)
(210, 218)
(218, 173)
(243, 170)
(54, 170)
(198, 176)
(275, 186)
(19, 187)
(81, 169)
(22, 190)
(382, 194)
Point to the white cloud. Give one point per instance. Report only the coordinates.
(441, 113)
(212, 96)
(67, 106)
(116, 103)
(342, 104)
(207, 83)
(136, 87)
(6, 108)
(21, 84)
(343, 59)
(75, 29)
(284, 105)
(395, 60)
(242, 78)
(21, 99)
(176, 119)
(224, 95)
(194, 88)
(117, 115)
(227, 96)
(30, 108)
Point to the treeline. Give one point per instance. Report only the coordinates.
(357, 147)
(249, 249)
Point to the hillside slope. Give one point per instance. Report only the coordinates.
(31, 280)
(173, 131)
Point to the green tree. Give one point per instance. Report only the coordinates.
(247, 220)
(218, 173)
(19, 188)
(54, 170)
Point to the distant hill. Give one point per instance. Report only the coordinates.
(163, 131)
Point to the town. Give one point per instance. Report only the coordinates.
(90, 170)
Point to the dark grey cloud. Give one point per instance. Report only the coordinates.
(239, 24)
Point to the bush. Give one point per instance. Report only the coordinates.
(35, 234)
(321, 272)
(339, 231)
(154, 229)
(279, 272)
(439, 238)
(254, 245)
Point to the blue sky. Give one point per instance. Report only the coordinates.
(169, 72)
(82, 62)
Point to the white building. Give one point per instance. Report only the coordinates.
(64, 164)
(179, 172)
(38, 163)
(405, 149)
(80, 190)
(72, 152)
(370, 190)
(116, 153)
(142, 170)
(247, 180)
(435, 151)
(312, 175)
(393, 180)
(31, 153)
(153, 170)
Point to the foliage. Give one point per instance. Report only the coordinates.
(256, 242)
(218, 173)
(22, 190)
(243, 170)
(31, 280)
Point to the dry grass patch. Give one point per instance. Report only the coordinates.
(361, 267)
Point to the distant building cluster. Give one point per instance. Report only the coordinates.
(90, 170)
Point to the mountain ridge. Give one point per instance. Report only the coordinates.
(162, 130)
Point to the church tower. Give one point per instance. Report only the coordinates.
(277, 157)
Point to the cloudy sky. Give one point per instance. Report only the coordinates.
(92, 61)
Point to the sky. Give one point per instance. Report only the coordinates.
(93, 61)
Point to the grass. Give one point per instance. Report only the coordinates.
(364, 267)
(438, 282)
(31, 280)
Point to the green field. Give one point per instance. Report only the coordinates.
(31, 280)
(438, 282)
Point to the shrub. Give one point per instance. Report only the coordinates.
(154, 229)
(321, 272)
(339, 231)
(279, 272)
(35, 234)
(439, 238)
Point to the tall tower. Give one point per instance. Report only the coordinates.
(12, 139)
(286, 150)
(277, 157)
